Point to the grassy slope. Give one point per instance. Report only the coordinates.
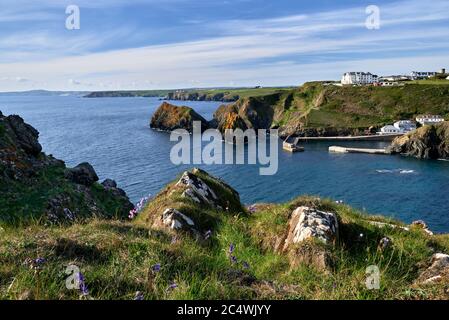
(318, 106)
(116, 257)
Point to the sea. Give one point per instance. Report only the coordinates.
(113, 134)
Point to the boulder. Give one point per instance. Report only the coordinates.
(177, 221)
(202, 193)
(306, 226)
(437, 271)
(307, 223)
(83, 174)
(197, 189)
(169, 117)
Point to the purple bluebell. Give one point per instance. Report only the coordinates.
(82, 285)
(156, 267)
(234, 259)
(172, 286)
(245, 265)
(231, 248)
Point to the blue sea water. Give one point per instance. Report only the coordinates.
(113, 134)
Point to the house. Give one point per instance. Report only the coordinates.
(429, 119)
(389, 129)
(416, 75)
(358, 78)
(291, 144)
(394, 78)
(405, 125)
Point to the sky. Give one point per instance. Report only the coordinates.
(169, 44)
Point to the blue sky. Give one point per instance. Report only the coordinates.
(155, 44)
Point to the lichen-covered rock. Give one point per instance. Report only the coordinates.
(195, 203)
(177, 221)
(428, 142)
(169, 117)
(83, 173)
(437, 271)
(197, 189)
(307, 223)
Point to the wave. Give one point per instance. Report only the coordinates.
(400, 171)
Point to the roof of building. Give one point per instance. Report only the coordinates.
(362, 73)
(429, 116)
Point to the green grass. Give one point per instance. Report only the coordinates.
(116, 257)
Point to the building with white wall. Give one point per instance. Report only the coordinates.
(405, 125)
(416, 75)
(429, 119)
(358, 78)
(389, 129)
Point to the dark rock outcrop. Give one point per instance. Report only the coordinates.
(428, 142)
(201, 96)
(83, 173)
(33, 184)
(169, 117)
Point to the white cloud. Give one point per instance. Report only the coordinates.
(249, 52)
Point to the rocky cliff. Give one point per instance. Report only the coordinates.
(34, 185)
(169, 117)
(428, 142)
(315, 109)
(201, 96)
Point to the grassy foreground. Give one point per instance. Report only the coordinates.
(120, 258)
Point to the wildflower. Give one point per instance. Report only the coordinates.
(231, 248)
(174, 239)
(234, 259)
(172, 286)
(82, 285)
(35, 264)
(156, 267)
(245, 265)
(138, 296)
(139, 207)
(208, 234)
(252, 208)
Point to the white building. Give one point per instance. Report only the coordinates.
(405, 125)
(429, 119)
(422, 74)
(447, 78)
(358, 78)
(389, 129)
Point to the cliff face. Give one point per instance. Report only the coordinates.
(35, 185)
(199, 96)
(169, 117)
(318, 110)
(428, 142)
